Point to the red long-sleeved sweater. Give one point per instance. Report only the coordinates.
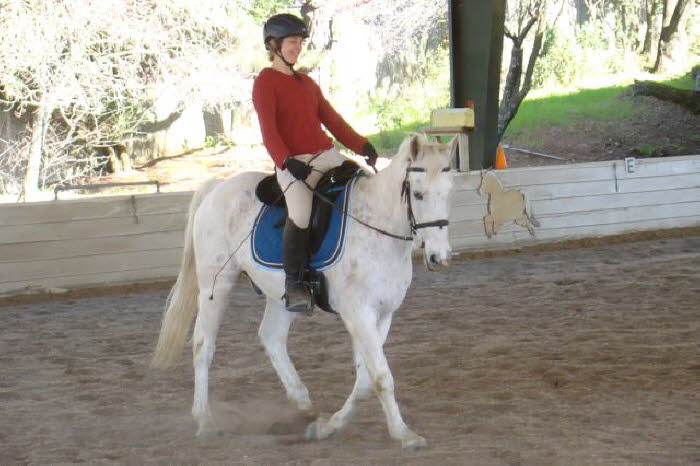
(291, 112)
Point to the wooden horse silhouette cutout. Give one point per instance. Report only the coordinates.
(504, 206)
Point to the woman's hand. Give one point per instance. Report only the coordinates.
(370, 153)
(297, 168)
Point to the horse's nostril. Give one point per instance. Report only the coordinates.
(433, 259)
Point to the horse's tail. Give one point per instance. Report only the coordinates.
(181, 305)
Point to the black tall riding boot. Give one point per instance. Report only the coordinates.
(295, 251)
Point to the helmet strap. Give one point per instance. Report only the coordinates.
(278, 52)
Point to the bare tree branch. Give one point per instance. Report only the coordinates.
(98, 64)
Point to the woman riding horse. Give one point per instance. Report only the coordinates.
(291, 109)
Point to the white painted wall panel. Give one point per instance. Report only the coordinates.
(466, 198)
(640, 185)
(512, 238)
(474, 211)
(92, 208)
(59, 249)
(102, 263)
(614, 201)
(92, 228)
(91, 241)
(573, 222)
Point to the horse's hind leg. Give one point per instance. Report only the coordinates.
(524, 221)
(273, 333)
(206, 329)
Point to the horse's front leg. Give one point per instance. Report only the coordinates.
(488, 225)
(361, 390)
(321, 428)
(368, 339)
(273, 334)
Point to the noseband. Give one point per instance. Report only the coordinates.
(406, 193)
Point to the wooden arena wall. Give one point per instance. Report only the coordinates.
(583, 200)
(91, 241)
(104, 240)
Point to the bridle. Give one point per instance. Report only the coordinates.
(406, 194)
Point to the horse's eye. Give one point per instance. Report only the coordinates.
(418, 195)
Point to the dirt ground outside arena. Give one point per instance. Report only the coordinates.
(578, 356)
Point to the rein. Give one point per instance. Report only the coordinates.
(405, 193)
(361, 222)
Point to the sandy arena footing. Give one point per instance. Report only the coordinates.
(575, 356)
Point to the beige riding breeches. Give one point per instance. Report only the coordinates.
(297, 195)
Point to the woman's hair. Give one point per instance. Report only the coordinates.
(274, 44)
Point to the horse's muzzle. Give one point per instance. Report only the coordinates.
(435, 264)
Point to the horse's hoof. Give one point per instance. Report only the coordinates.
(316, 431)
(413, 443)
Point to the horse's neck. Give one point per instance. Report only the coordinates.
(382, 193)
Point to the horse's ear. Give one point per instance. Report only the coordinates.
(415, 146)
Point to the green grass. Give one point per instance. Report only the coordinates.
(684, 81)
(541, 110)
(601, 104)
(391, 139)
(546, 108)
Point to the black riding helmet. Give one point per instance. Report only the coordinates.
(281, 26)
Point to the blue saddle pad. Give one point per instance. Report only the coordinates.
(266, 244)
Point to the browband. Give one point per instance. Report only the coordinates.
(423, 169)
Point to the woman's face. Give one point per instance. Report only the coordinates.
(291, 48)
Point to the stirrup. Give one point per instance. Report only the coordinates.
(303, 307)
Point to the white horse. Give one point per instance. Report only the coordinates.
(366, 285)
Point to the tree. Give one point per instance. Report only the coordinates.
(650, 7)
(401, 23)
(87, 71)
(672, 21)
(582, 14)
(319, 19)
(260, 10)
(522, 17)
